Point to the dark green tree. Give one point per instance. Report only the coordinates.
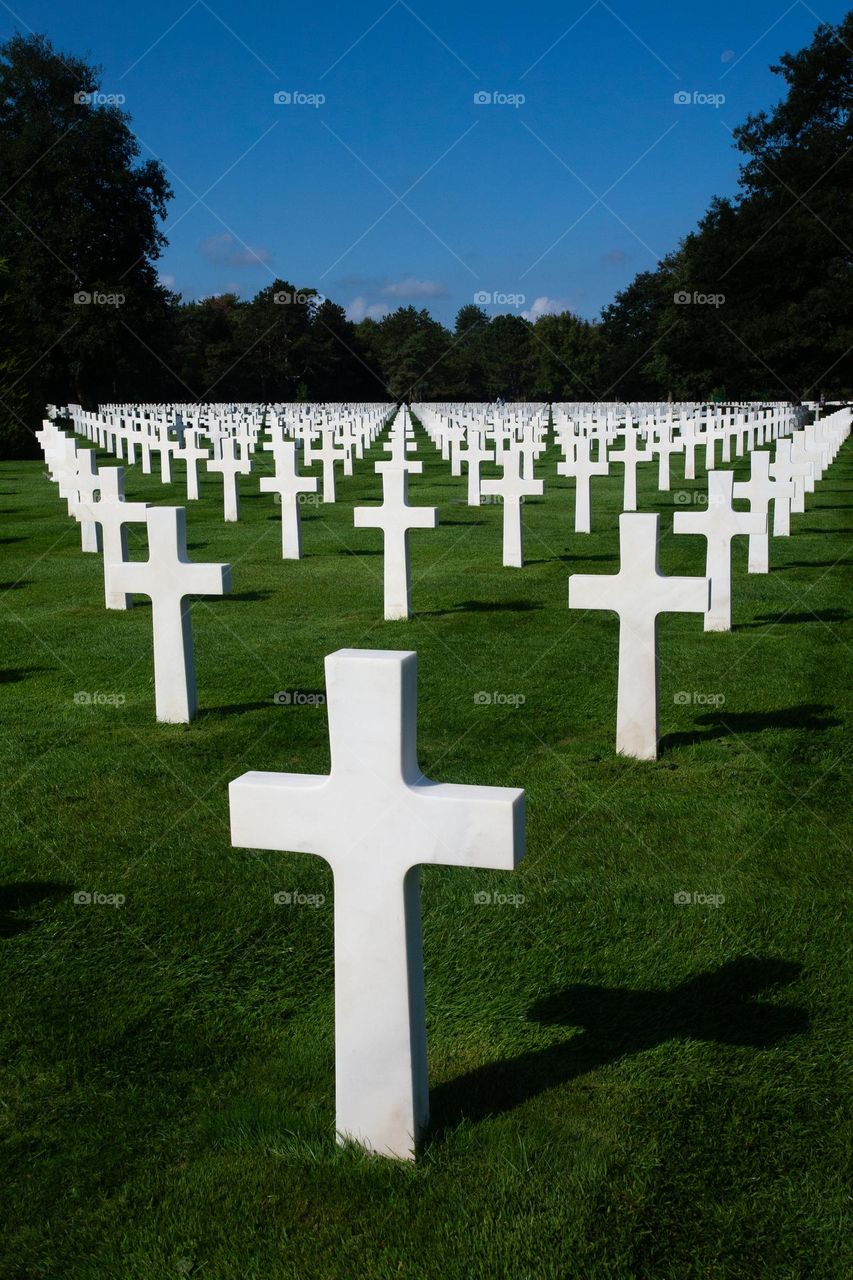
(414, 350)
(508, 363)
(340, 367)
(776, 259)
(78, 217)
(20, 408)
(566, 353)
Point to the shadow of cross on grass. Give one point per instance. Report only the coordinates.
(718, 1007)
(21, 896)
(724, 724)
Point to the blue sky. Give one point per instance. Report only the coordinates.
(399, 187)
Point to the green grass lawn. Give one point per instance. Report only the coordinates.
(621, 1086)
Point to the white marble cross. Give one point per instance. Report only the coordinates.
(401, 443)
(288, 484)
(583, 469)
(145, 445)
(638, 593)
(169, 577)
(329, 454)
(785, 470)
(474, 455)
(167, 447)
(86, 483)
(629, 457)
(230, 467)
(690, 437)
(192, 453)
(395, 518)
(454, 436)
(113, 514)
(718, 524)
(512, 488)
(760, 490)
(664, 445)
(375, 818)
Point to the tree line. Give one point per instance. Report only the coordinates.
(756, 302)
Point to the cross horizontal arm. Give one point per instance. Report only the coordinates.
(472, 826)
(282, 811)
(595, 591)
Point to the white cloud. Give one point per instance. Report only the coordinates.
(409, 287)
(226, 251)
(360, 309)
(546, 306)
(168, 282)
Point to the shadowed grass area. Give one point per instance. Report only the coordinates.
(624, 1083)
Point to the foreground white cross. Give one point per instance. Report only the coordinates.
(638, 593)
(718, 525)
(113, 514)
(395, 518)
(375, 819)
(288, 484)
(168, 576)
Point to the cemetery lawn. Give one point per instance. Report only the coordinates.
(622, 1085)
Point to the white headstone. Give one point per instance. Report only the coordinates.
(583, 469)
(192, 453)
(230, 466)
(395, 518)
(113, 514)
(375, 819)
(512, 489)
(629, 457)
(638, 593)
(168, 576)
(288, 484)
(718, 524)
(760, 490)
